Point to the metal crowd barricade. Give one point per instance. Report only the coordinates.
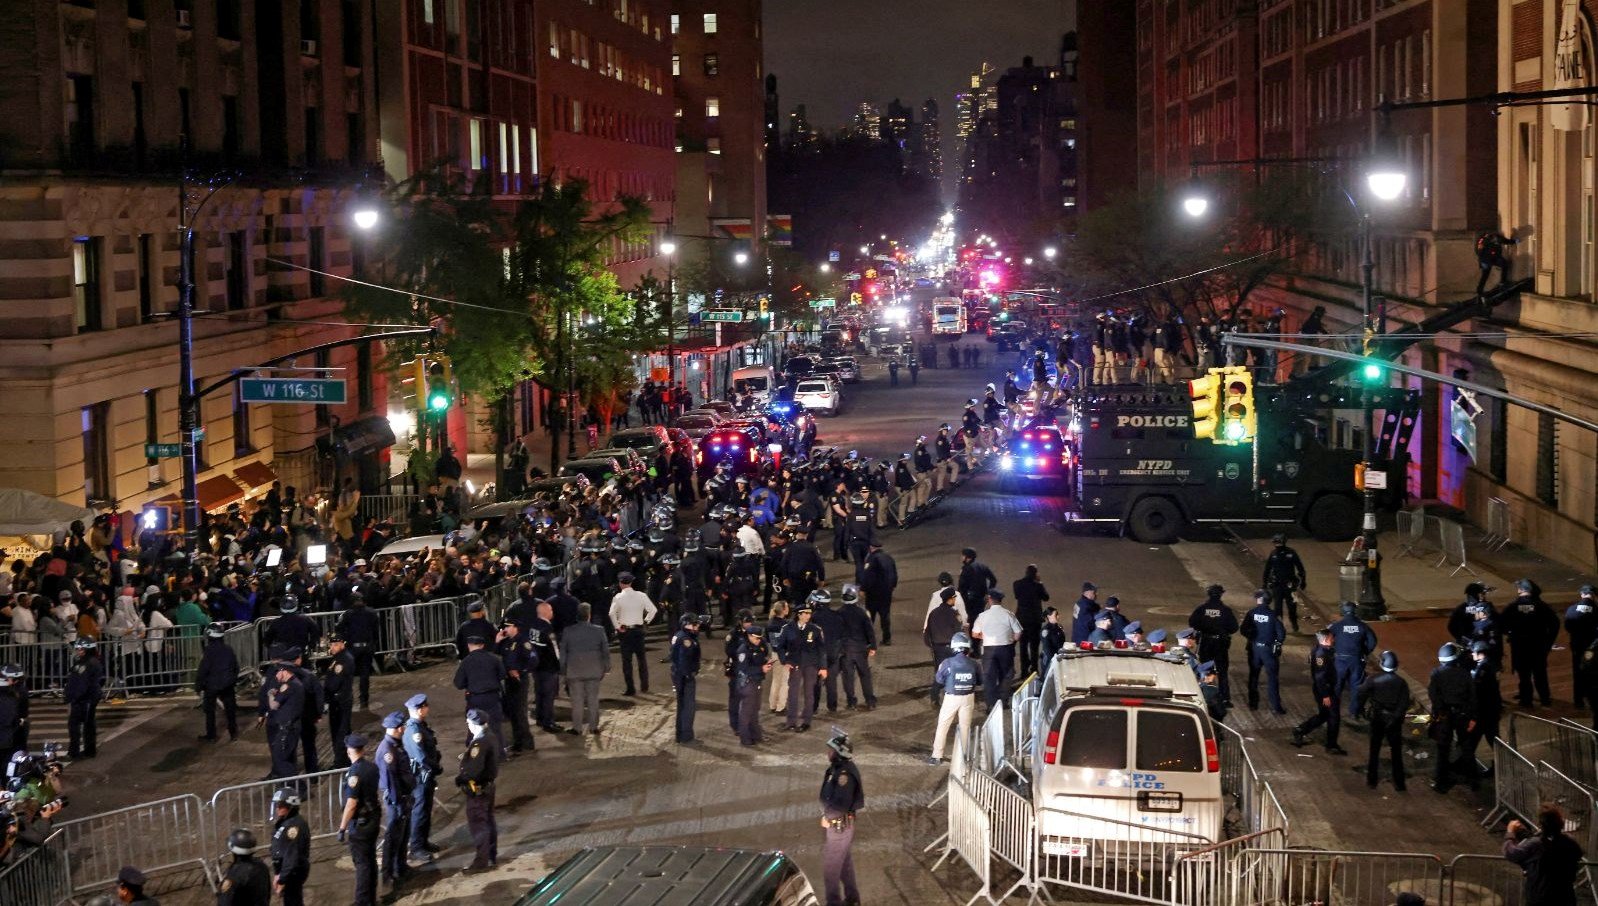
(249, 805)
(1480, 879)
(1203, 877)
(44, 663)
(40, 876)
(1573, 799)
(386, 507)
(1497, 524)
(412, 628)
(1515, 792)
(157, 665)
(970, 829)
(1269, 876)
(1571, 748)
(1103, 854)
(1451, 536)
(246, 646)
(1412, 529)
(991, 752)
(1012, 829)
(157, 837)
(1257, 805)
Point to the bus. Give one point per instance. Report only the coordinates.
(948, 317)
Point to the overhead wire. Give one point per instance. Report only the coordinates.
(404, 292)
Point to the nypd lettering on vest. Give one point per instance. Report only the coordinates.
(1151, 421)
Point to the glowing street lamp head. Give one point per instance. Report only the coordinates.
(668, 247)
(1195, 205)
(365, 217)
(865, 249)
(948, 217)
(989, 278)
(1386, 183)
(1050, 252)
(741, 258)
(826, 268)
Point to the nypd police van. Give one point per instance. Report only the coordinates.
(1122, 752)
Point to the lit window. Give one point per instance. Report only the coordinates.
(713, 145)
(712, 64)
(710, 23)
(676, 23)
(713, 107)
(676, 64)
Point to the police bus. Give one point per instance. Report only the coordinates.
(948, 317)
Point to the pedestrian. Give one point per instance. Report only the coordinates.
(427, 762)
(1323, 686)
(291, 847)
(397, 782)
(1532, 627)
(1581, 624)
(481, 675)
(476, 625)
(946, 581)
(841, 799)
(1353, 641)
(1083, 613)
(944, 622)
(1051, 640)
(585, 661)
(358, 824)
(1263, 629)
(802, 649)
(1550, 859)
(998, 630)
(1215, 703)
(630, 611)
(1452, 692)
(82, 690)
(751, 662)
(247, 882)
(130, 887)
(1490, 254)
(1388, 696)
(685, 658)
(1215, 624)
(315, 708)
(915, 371)
(859, 647)
(216, 679)
(338, 689)
(878, 577)
(827, 618)
(1284, 574)
(1030, 596)
(479, 769)
(282, 704)
(516, 652)
(359, 626)
(546, 667)
(893, 372)
(975, 580)
(957, 678)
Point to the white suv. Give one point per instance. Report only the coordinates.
(818, 396)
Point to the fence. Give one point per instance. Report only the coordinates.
(1573, 799)
(1270, 876)
(991, 751)
(1257, 806)
(1139, 867)
(1201, 878)
(1412, 529)
(249, 805)
(1571, 748)
(1451, 537)
(155, 836)
(41, 876)
(970, 829)
(134, 665)
(1497, 524)
(1010, 823)
(394, 508)
(1514, 786)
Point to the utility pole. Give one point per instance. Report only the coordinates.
(188, 400)
(1372, 603)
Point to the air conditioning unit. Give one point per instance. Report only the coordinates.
(183, 19)
(308, 47)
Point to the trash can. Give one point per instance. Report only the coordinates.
(1349, 576)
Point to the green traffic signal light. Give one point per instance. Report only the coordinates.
(438, 401)
(1373, 371)
(1234, 430)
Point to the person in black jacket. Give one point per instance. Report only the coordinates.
(1532, 626)
(1323, 685)
(1453, 697)
(942, 624)
(1550, 859)
(215, 680)
(359, 627)
(1387, 695)
(338, 688)
(878, 576)
(975, 581)
(1030, 596)
(84, 686)
(1216, 624)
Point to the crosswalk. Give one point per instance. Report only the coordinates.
(47, 719)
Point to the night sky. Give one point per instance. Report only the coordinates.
(832, 54)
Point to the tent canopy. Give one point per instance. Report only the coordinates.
(26, 513)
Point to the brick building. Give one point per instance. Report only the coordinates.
(1107, 103)
(718, 64)
(99, 100)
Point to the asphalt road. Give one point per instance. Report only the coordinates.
(633, 784)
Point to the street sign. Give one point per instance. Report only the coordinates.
(1376, 481)
(824, 303)
(851, 277)
(163, 451)
(833, 256)
(317, 391)
(729, 315)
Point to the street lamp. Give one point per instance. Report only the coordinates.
(740, 258)
(865, 249)
(948, 217)
(1050, 252)
(365, 217)
(1195, 205)
(1027, 259)
(826, 268)
(668, 248)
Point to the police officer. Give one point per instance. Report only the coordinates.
(359, 626)
(1453, 697)
(862, 527)
(479, 769)
(282, 705)
(1083, 612)
(291, 847)
(802, 649)
(878, 577)
(1353, 641)
(216, 679)
(841, 798)
(517, 654)
(893, 372)
(482, 677)
(1263, 629)
(1465, 614)
(630, 611)
(1388, 695)
(397, 782)
(859, 647)
(735, 639)
(315, 707)
(1323, 685)
(1215, 624)
(685, 657)
(359, 823)
(840, 508)
(827, 617)
(802, 568)
(957, 678)
(338, 687)
(1532, 626)
(293, 629)
(1489, 704)
(1581, 623)
(751, 663)
(421, 746)
(903, 479)
(1210, 675)
(476, 625)
(84, 686)
(1284, 574)
(247, 882)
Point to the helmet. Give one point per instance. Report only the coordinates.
(960, 642)
(1348, 608)
(215, 631)
(1215, 591)
(1475, 590)
(1448, 653)
(839, 743)
(670, 560)
(241, 842)
(688, 619)
(84, 644)
(286, 797)
(1278, 539)
(1480, 647)
(859, 498)
(819, 598)
(1389, 661)
(850, 594)
(666, 502)
(289, 604)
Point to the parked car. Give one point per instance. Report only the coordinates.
(798, 366)
(721, 407)
(630, 459)
(647, 440)
(848, 369)
(819, 396)
(696, 424)
(601, 470)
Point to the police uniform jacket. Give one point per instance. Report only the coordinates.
(855, 626)
(475, 626)
(1581, 622)
(830, 622)
(283, 704)
(1387, 694)
(945, 449)
(902, 479)
(85, 680)
(1082, 618)
(802, 646)
(1489, 697)
(517, 654)
(1030, 596)
(1214, 622)
(360, 784)
(879, 576)
(923, 458)
(248, 882)
(293, 630)
(479, 765)
(1452, 692)
(749, 661)
(685, 653)
(358, 626)
(840, 789)
(1353, 638)
(481, 673)
(1531, 626)
(1264, 631)
(801, 557)
(291, 847)
(338, 679)
(541, 635)
(863, 523)
(1461, 619)
(1283, 569)
(1322, 672)
(394, 775)
(958, 674)
(421, 746)
(973, 584)
(219, 667)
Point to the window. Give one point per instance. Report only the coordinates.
(144, 248)
(710, 23)
(676, 23)
(96, 453)
(317, 253)
(452, 22)
(476, 145)
(713, 107)
(363, 376)
(532, 149)
(577, 115)
(1094, 738)
(80, 116)
(1169, 741)
(86, 290)
(1547, 459)
(676, 64)
(427, 12)
(712, 64)
(241, 424)
(238, 278)
(313, 137)
(713, 145)
(152, 428)
(554, 40)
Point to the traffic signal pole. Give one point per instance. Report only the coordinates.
(1372, 603)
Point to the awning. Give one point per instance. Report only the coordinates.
(26, 513)
(363, 436)
(218, 492)
(254, 476)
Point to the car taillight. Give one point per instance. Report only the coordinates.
(1212, 758)
(1051, 747)
(1131, 702)
(752, 455)
(1027, 435)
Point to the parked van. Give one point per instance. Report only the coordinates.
(673, 876)
(1122, 751)
(757, 380)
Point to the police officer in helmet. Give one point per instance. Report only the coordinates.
(841, 798)
(1284, 574)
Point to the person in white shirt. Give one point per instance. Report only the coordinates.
(999, 630)
(67, 612)
(123, 628)
(24, 625)
(945, 581)
(749, 537)
(630, 610)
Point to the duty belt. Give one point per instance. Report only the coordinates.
(841, 822)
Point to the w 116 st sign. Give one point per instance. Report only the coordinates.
(316, 391)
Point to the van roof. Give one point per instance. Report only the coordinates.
(658, 876)
(1080, 672)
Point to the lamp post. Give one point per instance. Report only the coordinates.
(668, 247)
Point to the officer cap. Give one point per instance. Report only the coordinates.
(355, 741)
(287, 796)
(1187, 633)
(1215, 590)
(1156, 637)
(1261, 594)
(1278, 539)
(416, 701)
(755, 629)
(996, 595)
(1586, 590)
(1525, 585)
(393, 720)
(858, 498)
(741, 479)
(840, 744)
(691, 543)
(656, 534)
(1475, 590)
(819, 597)
(290, 655)
(903, 456)
(625, 578)
(670, 559)
(543, 565)
(1089, 586)
(476, 640)
(792, 522)
(1448, 653)
(11, 672)
(1348, 608)
(334, 637)
(1112, 603)
(131, 876)
(289, 604)
(476, 716)
(688, 619)
(944, 427)
(745, 615)
(945, 579)
(1390, 661)
(1480, 647)
(1207, 668)
(1132, 627)
(972, 401)
(476, 606)
(635, 546)
(968, 552)
(804, 607)
(241, 842)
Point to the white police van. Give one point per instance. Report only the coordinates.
(1122, 752)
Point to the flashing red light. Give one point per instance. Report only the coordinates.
(1158, 648)
(1132, 702)
(1085, 646)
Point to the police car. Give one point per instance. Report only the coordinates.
(1037, 452)
(738, 446)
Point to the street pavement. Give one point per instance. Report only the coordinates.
(632, 784)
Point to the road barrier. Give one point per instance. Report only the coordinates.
(155, 837)
(1266, 876)
(249, 805)
(1139, 867)
(1573, 799)
(970, 829)
(1412, 530)
(1257, 805)
(40, 876)
(1451, 537)
(1497, 524)
(991, 750)
(1200, 878)
(1011, 829)
(1514, 786)
(1571, 748)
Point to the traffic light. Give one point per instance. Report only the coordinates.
(415, 384)
(1373, 372)
(1206, 393)
(1238, 422)
(440, 384)
(763, 312)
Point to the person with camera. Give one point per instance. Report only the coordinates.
(1550, 859)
